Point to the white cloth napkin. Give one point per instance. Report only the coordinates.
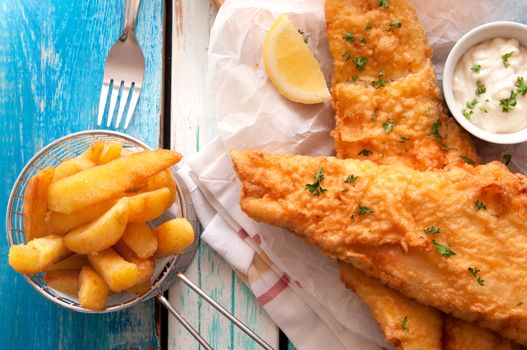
(299, 288)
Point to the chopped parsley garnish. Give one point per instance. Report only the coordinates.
(354, 78)
(435, 130)
(507, 158)
(467, 160)
(505, 58)
(360, 62)
(508, 104)
(396, 24)
(520, 303)
(353, 217)
(365, 152)
(432, 230)
(405, 320)
(444, 251)
(480, 88)
(446, 148)
(388, 127)
(383, 4)
(350, 179)
(521, 86)
(344, 190)
(484, 109)
(472, 104)
(467, 113)
(364, 210)
(474, 272)
(346, 55)
(316, 187)
(480, 205)
(363, 40)
(403, 139)
(348, 37)
(303, 36)
(379, 83)
(476, 68)
(374, 115)
(367, 26)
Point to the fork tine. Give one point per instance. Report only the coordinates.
(124, 100)
(135, 96)
(113, 102)
(105, 89)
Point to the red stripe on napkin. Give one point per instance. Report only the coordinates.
(257, 239)
(276, 289)
(243, 234)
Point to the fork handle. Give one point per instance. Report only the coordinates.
(130, 15)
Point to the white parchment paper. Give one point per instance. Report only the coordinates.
(251, 114)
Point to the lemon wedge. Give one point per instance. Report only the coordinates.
(291, 66)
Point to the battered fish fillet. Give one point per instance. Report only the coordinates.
(392, 40)
(450, 239)
(464, 335)
(394, 120)
(406, 323)
(402, 123)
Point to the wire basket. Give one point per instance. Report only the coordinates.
(72, 146)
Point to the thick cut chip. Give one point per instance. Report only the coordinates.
(65, 281)
(111, 151)
(107, 181)
(145, 267)
(36, 204)
(38, 254)
(61, 223)
(173, 237)
(147, 206)
(93, 291)
(72, 166)
(94, 152)
(140, 239)
(160, 180)
(140, 288)
(73, 262)
(118, 273)
(101, 233)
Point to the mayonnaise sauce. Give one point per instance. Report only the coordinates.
(488, 86)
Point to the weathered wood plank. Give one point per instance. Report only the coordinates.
(51, 63)
(192, 126)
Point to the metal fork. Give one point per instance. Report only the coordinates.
(123, 71)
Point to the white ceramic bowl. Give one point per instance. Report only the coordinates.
(477, 35)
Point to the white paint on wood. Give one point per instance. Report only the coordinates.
(192, 126)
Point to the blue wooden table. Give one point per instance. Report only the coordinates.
(51, 64)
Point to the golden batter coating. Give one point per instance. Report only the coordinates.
(401, 123)
(462, 335)
(450, 239)
(406, 323)
(391, 40)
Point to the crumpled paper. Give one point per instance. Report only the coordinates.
(251, 114)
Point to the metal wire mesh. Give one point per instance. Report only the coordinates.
(72, 146)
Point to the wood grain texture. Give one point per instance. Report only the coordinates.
(51, 64)
(192, 126)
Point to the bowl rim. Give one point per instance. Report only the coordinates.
(458, 50)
